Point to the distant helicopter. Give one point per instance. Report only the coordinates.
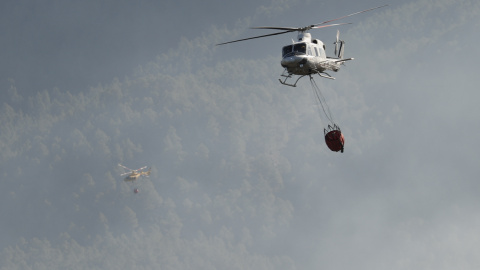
(133, 175)
(307, 56)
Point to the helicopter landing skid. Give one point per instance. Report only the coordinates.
(325, 75)
(284, 82)
(288, 76)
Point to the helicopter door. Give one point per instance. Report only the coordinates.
(321, 52)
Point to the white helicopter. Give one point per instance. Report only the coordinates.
(133, 175)
(307, 56)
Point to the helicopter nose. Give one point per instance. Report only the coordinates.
(288, 62)
(292, 61)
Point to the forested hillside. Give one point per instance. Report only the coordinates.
(241, 176)
(216, 152)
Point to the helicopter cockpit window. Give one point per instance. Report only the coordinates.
(300, 48)
(287, 50)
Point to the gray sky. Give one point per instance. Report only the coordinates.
(241, 174)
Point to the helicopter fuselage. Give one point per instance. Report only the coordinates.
(132, 177)
(308, 57)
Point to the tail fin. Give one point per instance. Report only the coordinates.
(147, 173)
(339, 46)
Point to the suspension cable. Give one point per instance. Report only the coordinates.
(321, 101)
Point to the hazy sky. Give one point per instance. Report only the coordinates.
(404, 195)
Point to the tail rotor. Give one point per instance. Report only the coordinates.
(339, 46)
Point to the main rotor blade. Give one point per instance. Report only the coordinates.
(292, 29)
(141, 168)
(124, 167)
(278, 28)
(328, 25)
(274, 34)
(349, 15)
